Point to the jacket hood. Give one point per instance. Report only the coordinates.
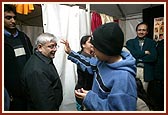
(127, 63)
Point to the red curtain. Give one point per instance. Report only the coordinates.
(95, 21)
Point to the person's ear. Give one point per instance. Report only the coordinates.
(83, 45)
(39, 47)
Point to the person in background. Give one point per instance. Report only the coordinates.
(114, 86)
(156, 86)
(40, 80)
(144, 51)
(85, 80)
(17, 50)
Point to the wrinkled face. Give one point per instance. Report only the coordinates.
(9, 20)
(142, 31)
(48, 49)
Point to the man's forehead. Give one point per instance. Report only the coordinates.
(51, 42)
(142, 25)
(9, 13)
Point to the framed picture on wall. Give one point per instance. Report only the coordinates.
(158, 28)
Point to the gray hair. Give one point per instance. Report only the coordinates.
(43, 38)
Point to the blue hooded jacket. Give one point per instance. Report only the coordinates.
(114, 87)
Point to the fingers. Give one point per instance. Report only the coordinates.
(78, 94)
(82, 90)
(81, 93)
(63, 41)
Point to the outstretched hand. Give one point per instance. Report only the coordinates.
(67, 47)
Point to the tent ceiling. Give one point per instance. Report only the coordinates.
(116, 10)
(119, 10)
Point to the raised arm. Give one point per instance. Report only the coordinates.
(67, 47)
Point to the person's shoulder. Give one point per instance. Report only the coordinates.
(151, 40)
(22, 33)
(19, 31)
(131, 39)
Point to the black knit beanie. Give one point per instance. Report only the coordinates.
(108, 39)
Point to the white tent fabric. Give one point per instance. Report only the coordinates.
(129, 26)
(69, 23)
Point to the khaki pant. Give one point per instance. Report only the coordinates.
(141, 105)
(140, 75)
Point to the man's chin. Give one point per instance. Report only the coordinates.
(141, 37)
(12, 28)
(52, 57)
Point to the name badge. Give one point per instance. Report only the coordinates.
(19, 52)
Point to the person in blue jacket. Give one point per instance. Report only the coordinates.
(114, 86)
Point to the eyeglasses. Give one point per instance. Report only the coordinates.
(53, 46)
(10, 17)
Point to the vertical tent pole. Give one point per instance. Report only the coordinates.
(88, 18)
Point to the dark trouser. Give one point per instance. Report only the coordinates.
(156, 93)
(79, 105)
(18, 104)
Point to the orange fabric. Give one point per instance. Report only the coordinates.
(24, 8)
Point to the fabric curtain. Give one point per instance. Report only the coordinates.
(24, 8)
(69, 23)
(106, 18)
(95, 21)
(31, 31)
(129, 26)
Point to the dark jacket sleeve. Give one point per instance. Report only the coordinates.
(151, 47)
(133, 46)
